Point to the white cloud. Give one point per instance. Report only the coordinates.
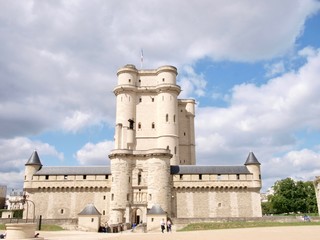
(274, 69)
(192, 83)
(264, 119)
(94, 154)
(77, 121)
(71, 50)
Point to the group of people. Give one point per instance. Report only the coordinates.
(165, 225)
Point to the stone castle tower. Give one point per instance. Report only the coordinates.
(153, 131)
(152, 166)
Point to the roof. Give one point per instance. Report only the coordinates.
(252, 160)
(156, 209)
(193, 169)
(34, 159)
(90, 209)
(76, 170)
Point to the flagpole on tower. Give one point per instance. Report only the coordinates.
(141, 59)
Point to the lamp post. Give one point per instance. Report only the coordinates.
(25, 200)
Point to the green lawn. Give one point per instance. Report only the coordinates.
(226, 225)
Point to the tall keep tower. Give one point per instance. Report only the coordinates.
(148, 140)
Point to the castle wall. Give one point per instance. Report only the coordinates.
(64, 196)
(214, 202)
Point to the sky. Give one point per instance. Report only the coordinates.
(253, 68)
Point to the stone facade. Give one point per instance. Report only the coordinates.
(153, 163)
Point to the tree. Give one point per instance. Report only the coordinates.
(292, 196)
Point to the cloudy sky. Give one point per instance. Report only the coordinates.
(252, 66)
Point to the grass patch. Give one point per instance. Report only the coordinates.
(49, 227)
(2, 227)
(228, 225)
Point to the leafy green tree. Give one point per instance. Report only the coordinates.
(292, 196)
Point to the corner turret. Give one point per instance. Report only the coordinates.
(31, 167)
(253, 166)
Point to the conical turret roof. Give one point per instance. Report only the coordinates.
(252, 160)
(156, 209)
(34, 159)
(90, 209)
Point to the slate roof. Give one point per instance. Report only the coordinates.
(156, 209)
(34, 159)
(193, 169)
(90, 209)
(76, 170)
(252, 160)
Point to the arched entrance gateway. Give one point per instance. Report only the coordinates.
(137, 216)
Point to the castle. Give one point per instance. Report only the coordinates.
(153, 164)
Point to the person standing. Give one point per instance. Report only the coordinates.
(162, 225)
(168, 225)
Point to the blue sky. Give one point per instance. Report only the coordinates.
(252, 66)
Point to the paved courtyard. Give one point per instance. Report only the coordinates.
(274, 233)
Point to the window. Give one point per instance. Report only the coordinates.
(162, 79)
(219, 177)
(128, 196)
(219, 204)
(92, 219)
(200, 176)
(112, 197)
(129, 80)
(104, 197)
(150, 197)
(139, 178)
(106, 176)
(153, 125)
(47, 177)
(103, 212)
(65, 176)
(152, 99)
(238, 176)
(181, 176)
(84, 176)
(139, 125)
(174, 118)
(167, 147)
(61, 211)
(129, 179)
(167, 117)
(140, 99)
(139, 80)
(184, 133)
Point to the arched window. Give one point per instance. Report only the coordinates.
(167, 117)
(153, 125)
